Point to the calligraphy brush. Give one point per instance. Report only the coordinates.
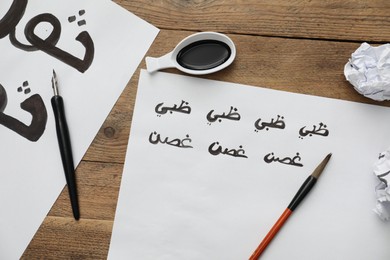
(299, 196)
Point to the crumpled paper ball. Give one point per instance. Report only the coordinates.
(368, 70)
(382, 171)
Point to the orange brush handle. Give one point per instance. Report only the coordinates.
(268, 238)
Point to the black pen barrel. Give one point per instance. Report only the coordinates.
(66, 152)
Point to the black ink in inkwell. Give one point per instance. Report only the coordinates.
(203, 55)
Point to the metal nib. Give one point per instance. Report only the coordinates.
(54, 83)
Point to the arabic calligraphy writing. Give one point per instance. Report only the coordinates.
(231, 115)
(216, 149)
(294, 161)
(33, 105)
(321, 130)
(11, 19)
(155, 138)
(182, 108)
(278, 123)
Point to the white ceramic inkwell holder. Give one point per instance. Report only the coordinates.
(198, 54)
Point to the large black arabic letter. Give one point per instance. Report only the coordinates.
(35, 106)
(51, 40)
(15, 42)
(48, 45)
(12, 17)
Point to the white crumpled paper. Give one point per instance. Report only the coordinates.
(368, 70)
(382, 171)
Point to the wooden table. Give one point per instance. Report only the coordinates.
(297, 45)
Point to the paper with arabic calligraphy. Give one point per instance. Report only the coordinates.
(94, 47)
(206, 179)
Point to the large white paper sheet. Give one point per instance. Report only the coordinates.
(92, 72)
(206, 202)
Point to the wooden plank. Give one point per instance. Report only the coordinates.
(111, 141)
(354, 20)
(98, 188)
(63, 238)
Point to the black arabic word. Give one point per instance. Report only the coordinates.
(216, 149)
(278, 123)
(33, 105)
(321, 130)
(232, 115)
(269, 158)
(182, 108)
(8, 27)
(155, 138)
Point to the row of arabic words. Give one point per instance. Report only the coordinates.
(278, 122)
(216, 149)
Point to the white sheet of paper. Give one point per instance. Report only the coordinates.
(185, 203)
(32, 176)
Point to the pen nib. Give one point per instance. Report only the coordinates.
(54, 83)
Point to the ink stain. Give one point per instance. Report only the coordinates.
(203, 55)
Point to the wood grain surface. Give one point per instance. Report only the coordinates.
(297, 46)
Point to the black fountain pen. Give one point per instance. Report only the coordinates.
(65, 147)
